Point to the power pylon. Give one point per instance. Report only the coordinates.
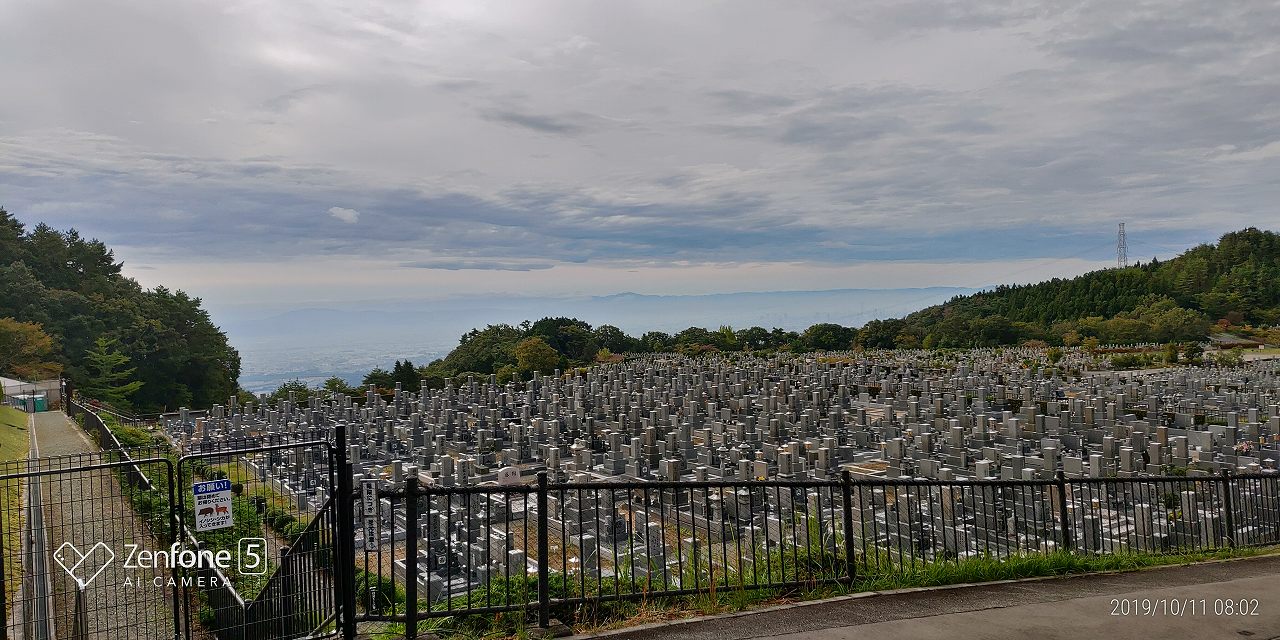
(1122, 249)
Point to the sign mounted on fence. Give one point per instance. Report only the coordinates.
(212, 505)
(369, 504)
(369, 496)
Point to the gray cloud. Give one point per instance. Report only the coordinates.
(481, 265)
(540, 123)
(557, 133)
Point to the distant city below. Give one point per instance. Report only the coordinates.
(347, 341)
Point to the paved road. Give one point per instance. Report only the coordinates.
(88, 507)
(1064, 608)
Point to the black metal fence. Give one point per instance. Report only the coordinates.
(282, 505)
(71, 524)
(412, 553)
(538, 548)
(281, 577)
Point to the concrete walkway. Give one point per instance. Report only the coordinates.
(1074, 608)
(88, 507)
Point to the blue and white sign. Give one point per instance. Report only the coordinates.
(212, 504)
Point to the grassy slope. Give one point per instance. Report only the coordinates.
(14, 444)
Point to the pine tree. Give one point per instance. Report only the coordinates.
(109, 377)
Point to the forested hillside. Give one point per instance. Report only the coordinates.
(65, 307)
(1233, 285)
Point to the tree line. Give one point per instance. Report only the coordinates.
(1232, 286)
(66, 310)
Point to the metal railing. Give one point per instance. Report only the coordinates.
(424, 552)
(535, 548)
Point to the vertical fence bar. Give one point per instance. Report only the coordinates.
(1062, 510)
(411, 554)
(846, 487)
(175, 534)
(1228, 505)
(544, 577)
(344, 573)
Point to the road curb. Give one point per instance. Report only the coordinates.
(890, 592)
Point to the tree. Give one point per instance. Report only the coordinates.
(11, 231)
(1193, 352)
(753, 338)
(615, 340)
(483, 350)
(1232, 358)
(656, 342)
(339, 386)
(109, 377)
(534, 354)
(406, 375)
(301, 392)
(1053, 355)
(25, 350)
(827, 336)
(569, 336)
(73, 288)
(879, 334)
(695, 336)
(380, 378)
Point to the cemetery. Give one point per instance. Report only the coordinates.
(658, 459)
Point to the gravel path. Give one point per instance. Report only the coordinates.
(90, 510)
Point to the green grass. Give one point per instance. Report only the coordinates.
(14, 445)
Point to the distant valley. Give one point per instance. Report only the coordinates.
(348, 340)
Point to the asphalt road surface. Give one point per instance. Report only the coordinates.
(1236, 599)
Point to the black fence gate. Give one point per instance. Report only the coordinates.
(282, 537)
(73, 530)
(234, 541)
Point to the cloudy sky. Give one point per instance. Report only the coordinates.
(298, 152)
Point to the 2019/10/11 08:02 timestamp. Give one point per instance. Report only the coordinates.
(1184, 607)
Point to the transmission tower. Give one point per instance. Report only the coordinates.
(1122, 249)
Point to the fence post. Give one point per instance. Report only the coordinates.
(1062, 510)
(80, 617)
(544, 553)
(344, 515)
(411, 554)
(846, 485)
(288, 591)
(1228, 505)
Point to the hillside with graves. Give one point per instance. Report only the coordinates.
(1101, 461)
(1232, 287)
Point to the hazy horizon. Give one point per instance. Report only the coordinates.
(349, 339)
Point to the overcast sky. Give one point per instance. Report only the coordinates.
(295, 152)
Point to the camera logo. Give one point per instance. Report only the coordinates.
(84, 567)
(252, 559)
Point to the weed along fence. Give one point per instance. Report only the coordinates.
(549, 547)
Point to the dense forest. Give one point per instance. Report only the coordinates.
(65, 309)
(1231, 286)
(1234, 284)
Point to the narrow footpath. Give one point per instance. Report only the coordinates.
(86, 508)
